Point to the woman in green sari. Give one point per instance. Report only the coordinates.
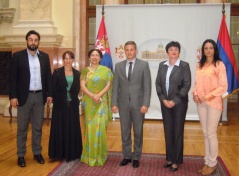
(95, 83)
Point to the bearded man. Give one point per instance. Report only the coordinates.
(29, 89)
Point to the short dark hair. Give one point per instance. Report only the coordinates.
(130, 43)
(69, 53)
(173, 43)
(92, 50)
(33, 32)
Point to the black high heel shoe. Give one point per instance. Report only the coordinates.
(173, 169)
(167, 165)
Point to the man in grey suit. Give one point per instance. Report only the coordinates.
(131, 98)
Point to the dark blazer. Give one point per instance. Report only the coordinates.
(137, 90)
(19, 81)
(180, 83)
(60, 85)
(174, 118)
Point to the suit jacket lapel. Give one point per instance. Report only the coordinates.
(25, 58)
(64, 77)
(136, 66)
(75, 78)
(123, 70)
(164, 71)
(175, 68)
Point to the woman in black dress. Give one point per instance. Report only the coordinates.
(65, 136)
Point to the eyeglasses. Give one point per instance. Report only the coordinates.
(94, 55)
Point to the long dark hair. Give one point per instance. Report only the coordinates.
(216, 57)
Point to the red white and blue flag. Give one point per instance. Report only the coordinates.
(102, 43)
(227, 56)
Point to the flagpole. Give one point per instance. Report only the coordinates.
(223, 8)
(221, 123)
(103, 8)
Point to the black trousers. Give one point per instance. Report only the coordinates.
(173, 120)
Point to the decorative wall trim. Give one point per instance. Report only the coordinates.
(47, 40)
(7, 15)
(23, 26)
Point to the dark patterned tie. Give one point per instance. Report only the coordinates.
(130, 70)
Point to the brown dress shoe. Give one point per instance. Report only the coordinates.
(203, 168)
(209, 170)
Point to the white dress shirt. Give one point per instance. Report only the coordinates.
(169, 71)
(35, 72)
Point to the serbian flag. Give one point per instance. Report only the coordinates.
(102, 43)
(227, 56)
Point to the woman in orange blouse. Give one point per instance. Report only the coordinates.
(210, 85)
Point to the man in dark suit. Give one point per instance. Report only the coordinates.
(29, 89)
(131, 97)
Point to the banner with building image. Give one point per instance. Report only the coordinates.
(152, 26)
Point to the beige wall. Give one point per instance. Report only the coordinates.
(63, 18)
